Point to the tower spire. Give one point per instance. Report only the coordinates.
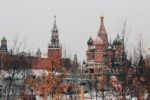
(55, 25)
(102, 32)
(54, 36)
(102, 27)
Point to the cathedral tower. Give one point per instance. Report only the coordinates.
(102, 33)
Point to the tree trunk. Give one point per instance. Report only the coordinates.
(8, 92)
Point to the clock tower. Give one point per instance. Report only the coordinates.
(54, 48)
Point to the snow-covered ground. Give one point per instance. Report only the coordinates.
(88, 97)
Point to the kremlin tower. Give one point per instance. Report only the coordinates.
(54, 48)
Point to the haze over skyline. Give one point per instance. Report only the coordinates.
(77, 20)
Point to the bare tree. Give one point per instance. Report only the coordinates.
(137, 82)
(17, 65)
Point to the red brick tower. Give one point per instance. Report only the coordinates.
(54, 48)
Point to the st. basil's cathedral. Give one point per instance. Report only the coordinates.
(103, 53)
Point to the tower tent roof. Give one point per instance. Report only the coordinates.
(55, 29)
(54, 36)
(38, 51)
(102, 27)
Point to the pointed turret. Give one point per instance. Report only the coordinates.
(3, 41)
(54, 36)
(54, 26)
(38, 53)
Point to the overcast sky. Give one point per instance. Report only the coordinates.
(77, 20)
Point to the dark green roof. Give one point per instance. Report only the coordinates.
(90, 41)
(118, 40)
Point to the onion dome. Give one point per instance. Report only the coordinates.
(90, 41)
(118, 40)
(98, 40)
